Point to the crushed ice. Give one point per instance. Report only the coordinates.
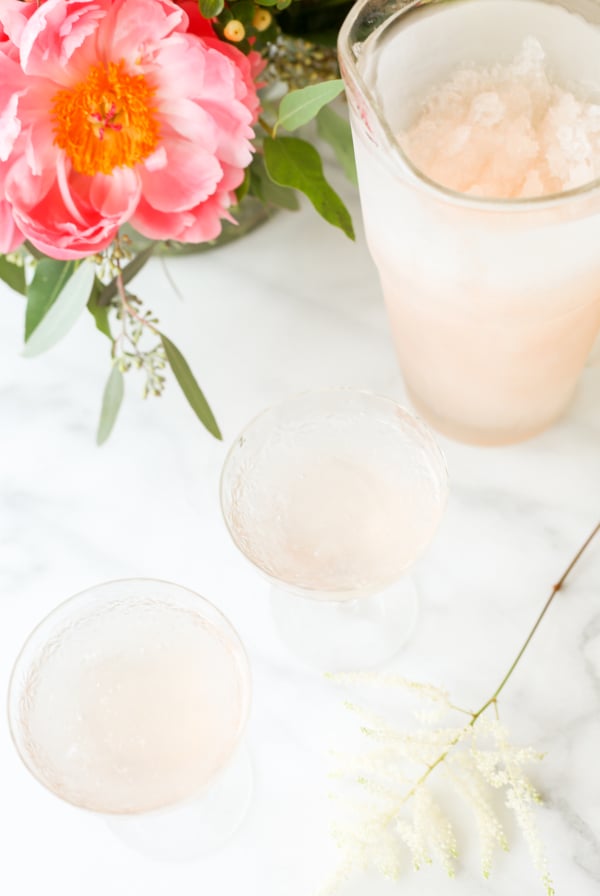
(506, 131)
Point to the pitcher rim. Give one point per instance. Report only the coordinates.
(352, 78)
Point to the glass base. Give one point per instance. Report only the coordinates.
(342, 636)
(196, 827)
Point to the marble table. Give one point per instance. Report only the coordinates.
(293, 306)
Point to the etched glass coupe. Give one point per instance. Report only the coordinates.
(130, 700)
(333, 495)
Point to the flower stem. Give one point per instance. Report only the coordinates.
(555, 589)
(128, 308)
(494, 698)
(266, 127)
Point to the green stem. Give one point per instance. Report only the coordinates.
(267, 127)
(555, 589)
(493, 699)
(129, 309)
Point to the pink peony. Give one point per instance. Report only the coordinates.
(115, 111)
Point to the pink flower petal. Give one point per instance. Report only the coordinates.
(53, 43)
(180, 183)
(10, 235)
(190, 177)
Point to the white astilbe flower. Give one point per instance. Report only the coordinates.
(386, 856)
(366, 839)
(372, 764)
(414, 833)
(472, 788)
(381, 680)
(503, 767)
(521, 797)
(399, 820)
(429, 834)
(439, 831)
(421, 747)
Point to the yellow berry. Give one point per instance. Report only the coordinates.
(262, 19)
(234, 31)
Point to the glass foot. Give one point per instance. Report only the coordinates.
(337, 636)
(196, 827)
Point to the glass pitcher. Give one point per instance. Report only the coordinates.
(494, 304)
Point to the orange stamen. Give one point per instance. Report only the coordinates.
(107, 121)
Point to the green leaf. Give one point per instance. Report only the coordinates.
(64, 311)
(243, 188)
(268, 191)
(111, 402)
(128, 273)
(244, 10)
(190, 387)
(13, 275)
(99, 312)
(49, 279)
(336, 131)
(300, 106)
(295, 163)
(211, 8)
(35, 253)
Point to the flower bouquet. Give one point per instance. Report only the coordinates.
(155, 118)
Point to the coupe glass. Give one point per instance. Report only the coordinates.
(130, 700)
(332, 495)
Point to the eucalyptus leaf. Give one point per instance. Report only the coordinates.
(295, 163)
(128, 273)
(211, 8)
(64, 311)
(99, 312)
(13, 275)
(190, 387)
(48, 281)
(336, 131)
(298, 107)
(111, 402)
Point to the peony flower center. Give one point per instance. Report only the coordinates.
(107, 121)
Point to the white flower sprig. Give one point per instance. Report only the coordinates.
(403, 777)
(397, 813)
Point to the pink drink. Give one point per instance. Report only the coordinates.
(130, 705)
(336, 524)
(334, 494)
(485, 236)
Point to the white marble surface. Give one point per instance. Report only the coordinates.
(293, 306)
